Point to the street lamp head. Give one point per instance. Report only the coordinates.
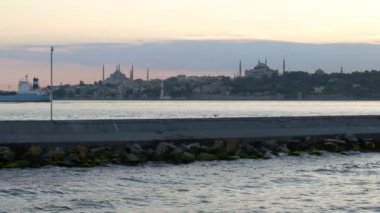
(52, 49)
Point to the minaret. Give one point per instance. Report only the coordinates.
(283, 65)
(103, 73)
(147, 74)
(341, 69)
(240, 69)
(131, 73)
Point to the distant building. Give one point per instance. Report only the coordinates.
(116, 77)
(260, 70)
(319, 71)
(356, 86)
(131, 73)
(319, 89)
(162, 92)
(240, 69)
(181, 77)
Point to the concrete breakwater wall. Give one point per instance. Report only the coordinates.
(91, 142)
(110, 131)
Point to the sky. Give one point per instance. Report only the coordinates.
(29, 27)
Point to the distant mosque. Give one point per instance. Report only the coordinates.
(118, 77)
(260, 70)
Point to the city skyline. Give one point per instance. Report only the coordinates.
(164, 59)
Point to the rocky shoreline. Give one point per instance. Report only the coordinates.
(177, 152)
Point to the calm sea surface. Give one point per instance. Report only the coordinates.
(284, 184)
(183, 109)
(332, 182)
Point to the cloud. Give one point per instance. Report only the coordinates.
(192, 56)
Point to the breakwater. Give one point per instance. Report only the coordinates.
(94, 142)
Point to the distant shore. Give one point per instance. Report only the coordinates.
(217, 99)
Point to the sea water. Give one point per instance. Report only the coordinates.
(183, 109)
(332, 182)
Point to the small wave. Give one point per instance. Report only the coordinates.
(16, 192)
(324, 170)
(89, 203)
(53, 208)
(370, 208)
(133, 179)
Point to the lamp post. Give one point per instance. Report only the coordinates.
(51, 82)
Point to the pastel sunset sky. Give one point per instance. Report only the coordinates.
(168, 35)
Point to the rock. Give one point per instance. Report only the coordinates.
(175, 155)
(245, 150)
(184, 147)
(219, 145)
(282, 148)
(81, 152)
(74, 159)
(208, 149)
(232, 146)
(334, 145)
(187, 157)
(57, 154)
(163, 150)
(17, 164)
(96, 162)
(194, 148)
(350, 153)
(248, 148)
(34, 151)
(330, 146)
(315, 152)
(273, 145)
(377, 145)
(267, 155)
(66, 163)
(135, 149)
(337, 142)
(348, 138)
(116, 160)
(251, 152)
(370, 146)
(6, 154)
(34, 156)
(296, 145)
(294, 153)
(219, 149)
(206, 157)
(151, 154)
(79, 157)
(345, 153)
(102, 152)
(133, 158)
(233, 157)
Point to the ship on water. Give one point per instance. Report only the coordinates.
(26, 92)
